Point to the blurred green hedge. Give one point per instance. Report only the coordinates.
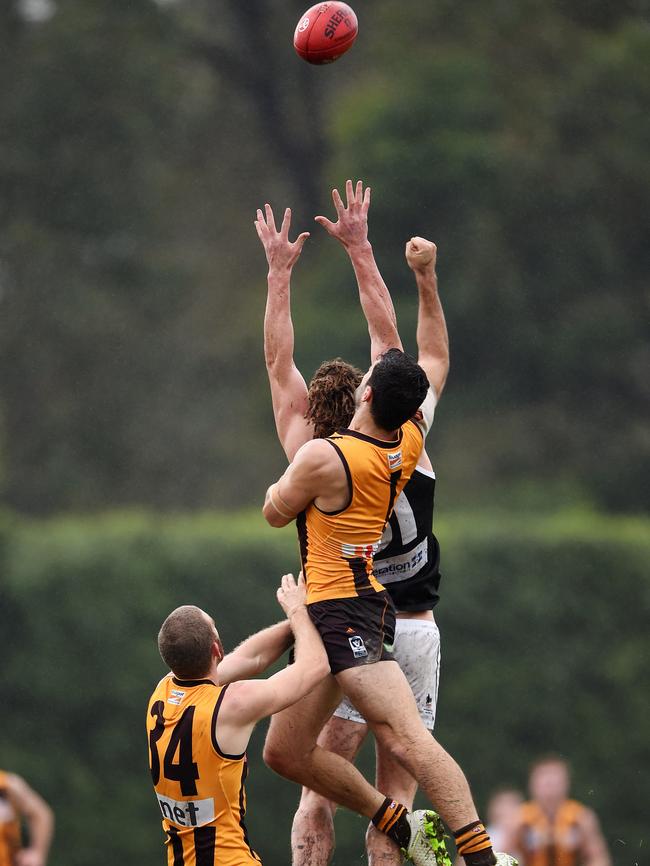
(545, 647)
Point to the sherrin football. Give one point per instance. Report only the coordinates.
(325, 32)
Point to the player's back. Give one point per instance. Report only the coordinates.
(337, 548)
(9, 826)
(200, 789)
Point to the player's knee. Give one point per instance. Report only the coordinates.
(279, 759)
(400, 745)
(314, 810)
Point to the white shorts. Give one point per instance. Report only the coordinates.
(417, 652)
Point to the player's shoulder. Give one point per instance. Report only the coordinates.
(316, 455)
(161, 686)
(576, 809)
(529, 811)
(236, 699)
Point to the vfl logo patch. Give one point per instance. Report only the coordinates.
(358, 647)
(304, 24)
(394, 460)
(176, 697)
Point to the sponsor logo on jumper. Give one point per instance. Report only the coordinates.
(176, 696)
(394, 459)
(403, 566)
(359, 650)
(366, 551)
(335, 20)
(187, 813)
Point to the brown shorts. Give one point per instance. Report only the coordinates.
(355, 631)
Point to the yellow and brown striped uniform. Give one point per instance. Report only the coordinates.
(9, 826)
(337, 548)
(546, 842)
(200, 789)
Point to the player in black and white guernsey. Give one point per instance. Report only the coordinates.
(408, 560)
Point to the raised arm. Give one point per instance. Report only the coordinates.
(39, 817)
(432, 337)
(257, 653)
(351, 230)
(247, 702)
(288, 388)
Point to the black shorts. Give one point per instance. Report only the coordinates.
(355, 631)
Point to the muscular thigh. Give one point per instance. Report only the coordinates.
(296, 728)
(382, 695)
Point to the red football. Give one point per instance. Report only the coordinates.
(325, 32)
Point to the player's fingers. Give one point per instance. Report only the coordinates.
(270, 219)
(258, 229)
(349, 192)
(358, 193)
(338, 201)
(366, 200)
(301, 578)
(328, 225)
(286, 222)
(300, 240)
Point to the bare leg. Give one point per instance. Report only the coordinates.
(396, 782)
(312, 834)
(291, 750)
(398, 727)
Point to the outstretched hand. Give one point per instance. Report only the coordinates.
(281, 253)
(351, 228)
(421, 255)
(292, 595)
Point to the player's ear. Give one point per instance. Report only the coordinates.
(366, 397)
(217, 650)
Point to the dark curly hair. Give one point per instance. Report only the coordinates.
(331, 396)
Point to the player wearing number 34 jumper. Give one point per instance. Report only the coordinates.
(200, 718)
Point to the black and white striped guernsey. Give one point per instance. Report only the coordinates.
(408, 561)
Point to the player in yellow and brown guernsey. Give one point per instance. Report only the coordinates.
(407, 563)
(200, 718)
(554, 830)
(342, 491)
(19, 801)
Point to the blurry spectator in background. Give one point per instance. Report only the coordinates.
(551, 829)
(19, 802)
(503, 815)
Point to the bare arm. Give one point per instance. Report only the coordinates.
(288, 388)
(248, 702)
(256, 653)
(39, 817)
(351, 230)
(594, 848)
(432, 337)
(316, 473)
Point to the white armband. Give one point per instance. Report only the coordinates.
(424, 417)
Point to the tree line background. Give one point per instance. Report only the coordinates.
(136, 141)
